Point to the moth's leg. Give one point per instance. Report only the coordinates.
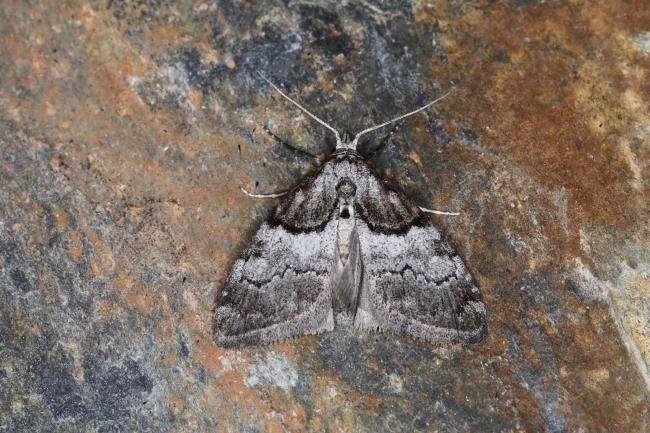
(272, 195)
(438, 212)
(384, 141)
(291, 146)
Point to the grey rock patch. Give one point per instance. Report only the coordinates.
(274, 370)
(642, 42)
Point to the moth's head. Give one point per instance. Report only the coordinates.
(346, 141)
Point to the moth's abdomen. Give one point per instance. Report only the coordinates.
(344, 229)
(348, 265)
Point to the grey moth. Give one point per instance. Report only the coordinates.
(342, 245)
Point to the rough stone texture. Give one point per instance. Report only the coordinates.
(126, 129)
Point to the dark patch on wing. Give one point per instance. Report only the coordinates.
(308, 207)
(386, 210)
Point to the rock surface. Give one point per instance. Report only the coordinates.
(127, 128)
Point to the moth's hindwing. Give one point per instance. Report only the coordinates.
(279, 288)
(416, 285)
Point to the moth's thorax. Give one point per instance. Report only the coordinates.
(345, 190)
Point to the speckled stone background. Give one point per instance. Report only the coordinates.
(127, 128)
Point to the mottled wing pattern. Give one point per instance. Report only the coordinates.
(415, 284)
(278, 288)
(383, 209)
(310, 205)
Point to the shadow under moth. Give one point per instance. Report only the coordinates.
(343, 246)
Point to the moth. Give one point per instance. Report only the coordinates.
(344, 246)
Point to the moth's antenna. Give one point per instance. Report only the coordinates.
(336, 133)
(372, 128)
